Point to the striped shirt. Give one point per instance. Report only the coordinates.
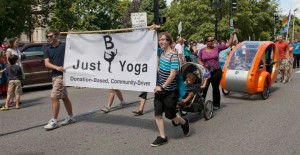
(167, 62)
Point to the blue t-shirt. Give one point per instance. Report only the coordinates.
(56, 55)
(296, 47)
(186, 51)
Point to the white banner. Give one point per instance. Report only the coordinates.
(126, 61)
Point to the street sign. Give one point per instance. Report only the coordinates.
(231, 22)
(139, 20)
(231, 27)
(179, 27)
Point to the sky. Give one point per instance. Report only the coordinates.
(285, 5)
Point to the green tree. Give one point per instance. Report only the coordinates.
(148, 6)
(82, 15)
(14, 17)
(251, 18)
(134, 7)
(196, 17)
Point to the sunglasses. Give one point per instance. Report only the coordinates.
(49, 36)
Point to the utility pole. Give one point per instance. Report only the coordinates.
(216, 20)
(293, 33)
(276, 20)
(216, 4)
(156, 12)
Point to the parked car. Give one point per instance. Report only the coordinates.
(32, 59)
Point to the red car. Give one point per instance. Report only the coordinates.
(33, 64)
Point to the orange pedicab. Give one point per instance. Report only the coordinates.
(251, 67)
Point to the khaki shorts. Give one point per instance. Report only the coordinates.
(58, 89)
(14, 87)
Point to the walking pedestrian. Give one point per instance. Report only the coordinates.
(209, 58)
(140, 110)
(112, 93)
(166, 93)
(296, 46)
(54, 59)
(283, 52)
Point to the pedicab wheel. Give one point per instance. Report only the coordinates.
(266, 92)
(208, 110)
(225, 92)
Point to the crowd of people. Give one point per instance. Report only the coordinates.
(170, 56)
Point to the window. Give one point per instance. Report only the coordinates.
(33, 52)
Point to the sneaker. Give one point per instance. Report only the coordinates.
(216, 108)
(186, 127)
(4, 108)
(68, 120)
(51, 125)
(159, 141)
(106, 109)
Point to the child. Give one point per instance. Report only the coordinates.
(14, 74)
(192, 86)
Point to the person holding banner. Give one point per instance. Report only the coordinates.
(54, 59)
(112, 93)
(166, 91)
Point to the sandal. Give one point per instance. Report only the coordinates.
(3, 108)
(106, 109)
(137, 113)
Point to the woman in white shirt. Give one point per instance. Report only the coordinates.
(14, 50)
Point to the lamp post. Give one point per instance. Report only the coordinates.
(156, 18)
(294, 24)
(216, 4)
(216, 20)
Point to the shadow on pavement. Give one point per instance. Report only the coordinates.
(98, 117)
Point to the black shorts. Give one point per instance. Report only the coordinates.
(165, 101)
(143, 95)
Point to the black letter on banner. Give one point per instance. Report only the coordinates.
(107, 40)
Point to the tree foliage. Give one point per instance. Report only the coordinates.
(88, 14)
(15, 17)
(134, 7)
(148, 6)
(253, 18)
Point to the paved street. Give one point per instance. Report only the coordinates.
(245, 124)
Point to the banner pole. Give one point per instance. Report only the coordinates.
(113, 30)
